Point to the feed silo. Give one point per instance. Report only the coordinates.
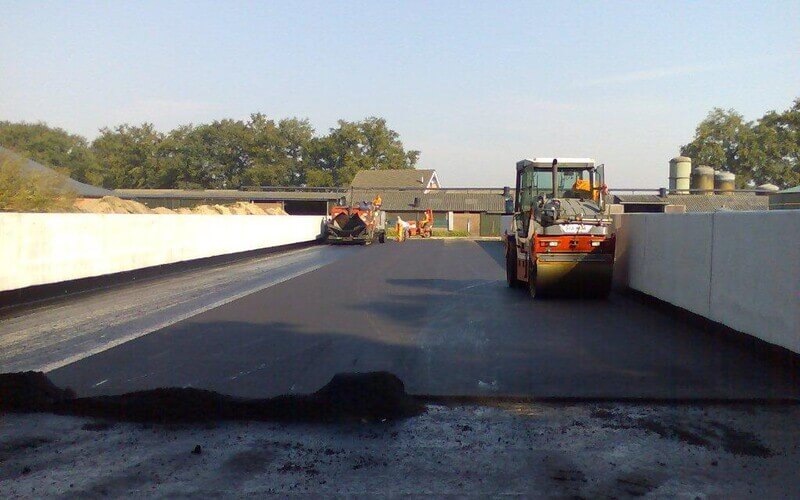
(703, 180)
(724, 182)
(680, 169)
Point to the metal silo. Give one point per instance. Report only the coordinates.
(765, 189)
(724, 182)
(703, 178)
(680, 169)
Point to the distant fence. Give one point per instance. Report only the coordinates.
(740, 269)
(37, 249)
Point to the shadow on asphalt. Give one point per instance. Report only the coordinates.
(495, 250)
(475, 337)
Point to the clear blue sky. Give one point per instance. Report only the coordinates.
(474, 85)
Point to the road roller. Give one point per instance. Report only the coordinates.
(560, 242)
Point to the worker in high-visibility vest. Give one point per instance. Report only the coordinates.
(583, 189)
(402, 229)
(377, 202)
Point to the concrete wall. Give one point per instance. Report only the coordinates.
(36, 249)
(740, 269)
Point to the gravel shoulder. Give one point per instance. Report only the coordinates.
(580, 450)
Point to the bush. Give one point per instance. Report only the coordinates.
(22, 191)
(446, 233)
(391, 232)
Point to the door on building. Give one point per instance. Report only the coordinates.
(467, 222)
(491, 225)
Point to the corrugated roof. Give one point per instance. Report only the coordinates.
(408, 178)
(439, 200)
(228, 194)
(641, 198)
(79, 188)
(702, 202)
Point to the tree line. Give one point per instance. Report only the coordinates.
(223, 154)
(766, 150)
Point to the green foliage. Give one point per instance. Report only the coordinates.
(391, 232)
(224, 154)
(365, 145)
(53, 147)
(446, 233)
(128, 155)
(21, 191)
(767, 150)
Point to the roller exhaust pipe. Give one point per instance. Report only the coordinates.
(555, 178)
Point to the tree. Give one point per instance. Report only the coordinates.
(223, 154)
(266, 165)
(365, 145)
(724, 140)
(296, 136)
(767, 150)
(778, 158)
(181, 159)
(52, 146)
(128, 155)
(22, 191)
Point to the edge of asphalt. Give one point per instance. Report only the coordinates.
(49, 293)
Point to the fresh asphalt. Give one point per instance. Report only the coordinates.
(439, 315)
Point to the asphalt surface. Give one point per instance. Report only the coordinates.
(54, 333)
(439, 315)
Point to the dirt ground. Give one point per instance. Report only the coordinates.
(577, 450)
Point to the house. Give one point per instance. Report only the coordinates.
(409, 193)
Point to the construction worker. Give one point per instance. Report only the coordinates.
(377, 202)
(402, 229)
(582, 189)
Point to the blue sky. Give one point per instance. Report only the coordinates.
(474, 85)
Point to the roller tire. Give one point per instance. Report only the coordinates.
(511, 269)
(532, 281)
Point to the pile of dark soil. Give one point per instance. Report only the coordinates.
(30, 392)
(370, 396)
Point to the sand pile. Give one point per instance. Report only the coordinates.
(114, 205)
(204, 210)
(163, 210)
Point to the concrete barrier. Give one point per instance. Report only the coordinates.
(740, 269)
(37, 249)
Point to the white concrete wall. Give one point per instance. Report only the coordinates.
(741, 269)
(36, 249)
